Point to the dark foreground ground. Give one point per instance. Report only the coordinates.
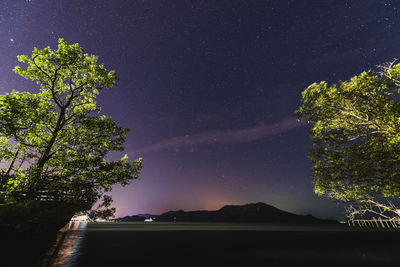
(26, 249)
(190, 244)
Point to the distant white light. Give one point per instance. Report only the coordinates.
(79, 218)
(11, 39)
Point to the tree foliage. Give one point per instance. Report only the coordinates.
(54, 143)
(103, 211)
(355, 136)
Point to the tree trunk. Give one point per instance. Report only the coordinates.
(35, 182)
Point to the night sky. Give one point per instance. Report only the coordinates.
(208, 88)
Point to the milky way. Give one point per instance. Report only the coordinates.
(208, 88)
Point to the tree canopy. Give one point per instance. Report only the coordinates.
(355, 136)
(54, 143)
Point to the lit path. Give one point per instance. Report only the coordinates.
(70, 246)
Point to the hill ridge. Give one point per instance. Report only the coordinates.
(251, 212)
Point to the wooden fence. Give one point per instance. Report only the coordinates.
(375, 223)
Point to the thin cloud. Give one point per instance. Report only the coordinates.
(224, 137)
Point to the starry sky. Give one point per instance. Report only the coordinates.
(208, 88)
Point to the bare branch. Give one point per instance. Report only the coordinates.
(384, 70)
(369, 205)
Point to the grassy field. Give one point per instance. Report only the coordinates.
(127, 244)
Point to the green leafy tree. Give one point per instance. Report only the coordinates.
(356, 140)
(103, 211)
(53, 144)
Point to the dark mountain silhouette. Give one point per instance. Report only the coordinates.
(147, 215)
(254, 212)
(133, 218)
(136, 218)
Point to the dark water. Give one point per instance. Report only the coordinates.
(190, 244)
